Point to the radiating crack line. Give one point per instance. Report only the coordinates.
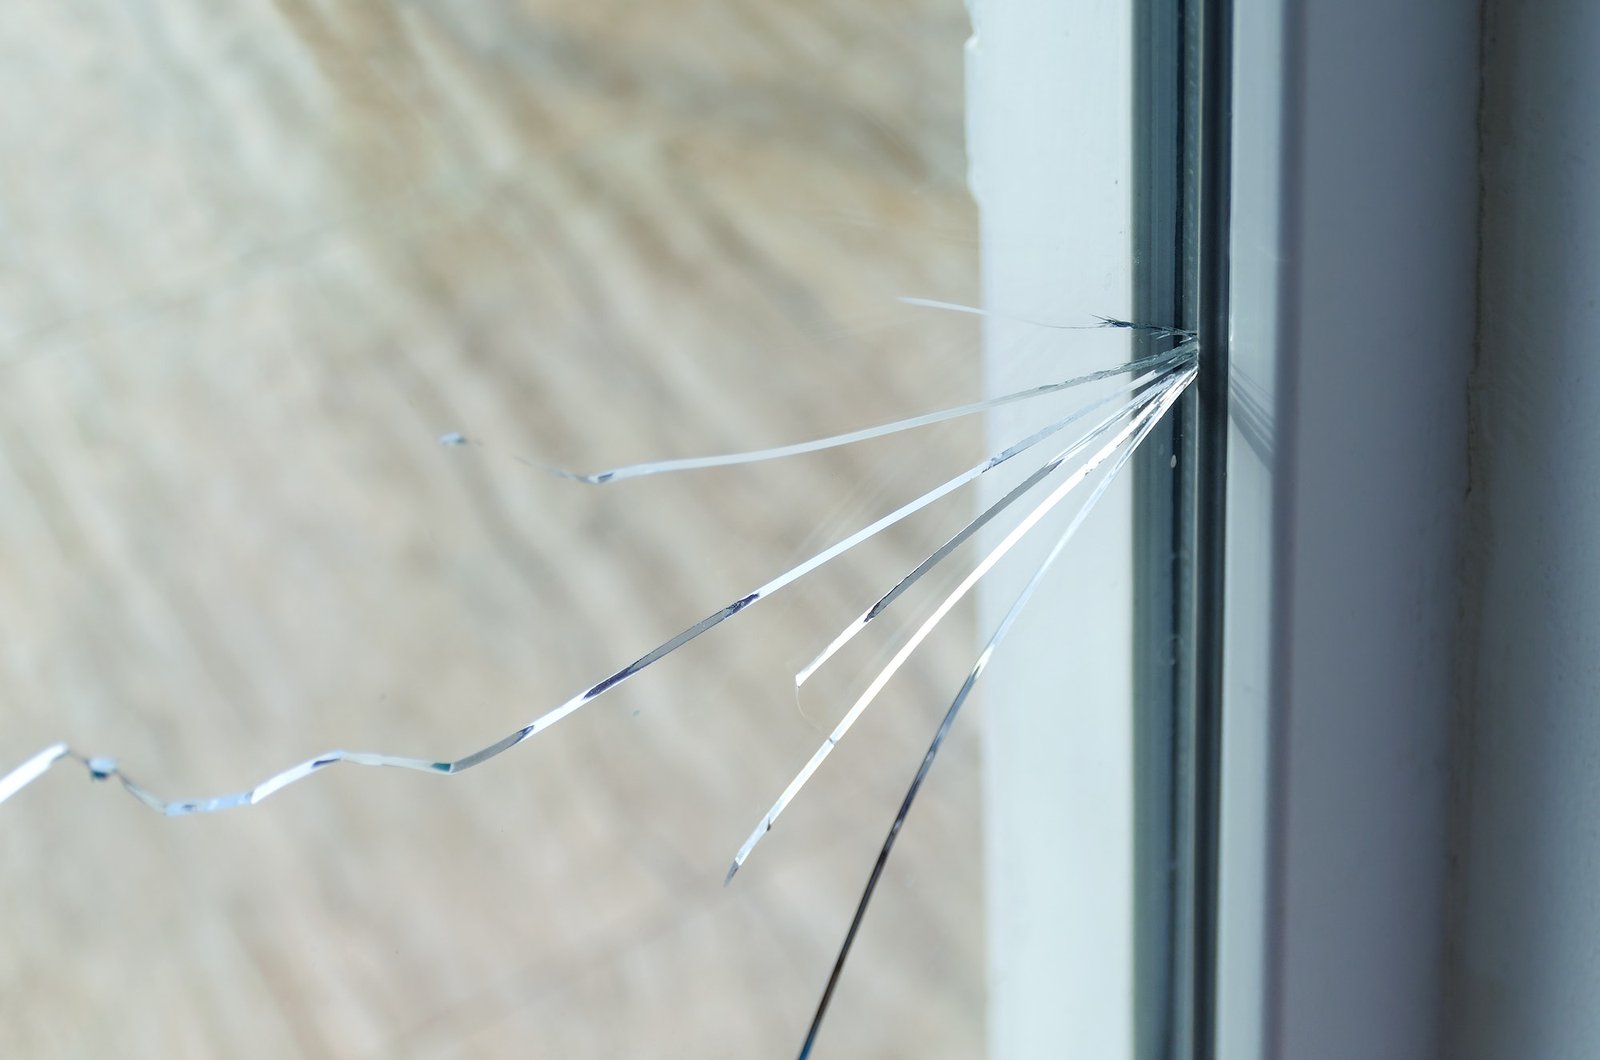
(108, 768)
(1152, 412)
(1100, 322)
(1151, 393)
(999, 635)
(815, 445)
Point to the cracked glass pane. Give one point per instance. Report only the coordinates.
(385, 384)
(265, 258)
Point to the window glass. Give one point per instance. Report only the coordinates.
(301, 297)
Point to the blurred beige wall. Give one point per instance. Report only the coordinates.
(258, 257)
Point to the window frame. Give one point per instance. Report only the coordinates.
(1353, 307)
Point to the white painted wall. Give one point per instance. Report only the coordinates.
(1527, 933)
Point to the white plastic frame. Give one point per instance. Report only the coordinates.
(1352, 301)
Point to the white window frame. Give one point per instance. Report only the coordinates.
(1054, 187)
(1353, 307)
